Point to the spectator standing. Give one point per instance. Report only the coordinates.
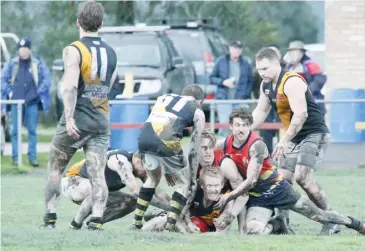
(27, 78)
(311, 71)
(232, 75)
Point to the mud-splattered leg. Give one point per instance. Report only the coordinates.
(96, 161)
(307, 208)
(57, 163)
(119, 205)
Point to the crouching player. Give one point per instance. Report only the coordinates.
(267, 189)
(122, 169)
(201, 216)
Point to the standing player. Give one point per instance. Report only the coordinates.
(90, 71)
(305, 142)
(159, 144)
(267, 189)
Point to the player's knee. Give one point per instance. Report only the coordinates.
(151, 181)
(58, 159)
(288, 175)
(303, 176)
(255, 227)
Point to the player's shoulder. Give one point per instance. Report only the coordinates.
(258, 146)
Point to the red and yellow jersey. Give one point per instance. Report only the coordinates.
(269, 175)
(197, 207)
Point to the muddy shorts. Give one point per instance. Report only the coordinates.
(309, 152)
(87, 140)
(282, 196)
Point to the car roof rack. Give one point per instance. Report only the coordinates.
(209, 23)
(135, 28)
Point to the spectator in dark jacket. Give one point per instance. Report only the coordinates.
(307, 68)
(232, 75)
(27, 78)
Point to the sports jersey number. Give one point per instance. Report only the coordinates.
(95, 66)
(166, 100)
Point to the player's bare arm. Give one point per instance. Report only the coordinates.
(125, 170)
(191, 227)
(224, 220)
(258, 152)
(193, 157)
(71, 75)
(230, 173)
(261, 111)
(294, 89)
(114, 77)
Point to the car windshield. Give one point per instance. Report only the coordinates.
(188, 43)
(135, 49)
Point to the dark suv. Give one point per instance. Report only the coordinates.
(200, 44)
(150, 56)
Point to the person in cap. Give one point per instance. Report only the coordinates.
(311, 71)
(26, 77)
(232, 74)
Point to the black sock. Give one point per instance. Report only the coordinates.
(75, 224)
(355, 224)
(96, 220)
(50, 218)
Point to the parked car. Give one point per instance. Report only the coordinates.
(200, 44)
(149, 54)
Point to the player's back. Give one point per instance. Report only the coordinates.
(97, 64)
(163, 130)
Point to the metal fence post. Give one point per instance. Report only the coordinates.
(19, 139)
(212, 116)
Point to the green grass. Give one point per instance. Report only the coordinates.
(8, 168)
(22, 212)
(41, 138)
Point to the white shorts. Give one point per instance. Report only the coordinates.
(170, 165)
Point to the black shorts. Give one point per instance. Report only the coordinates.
(283, 196)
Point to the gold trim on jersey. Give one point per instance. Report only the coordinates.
(86, 72)
(75, 169)
(86, 63)
(282, 103)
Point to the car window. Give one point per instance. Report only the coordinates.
(216, 44)
(135, 49)
(188, 43)
(224, 43)
(166, 58)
